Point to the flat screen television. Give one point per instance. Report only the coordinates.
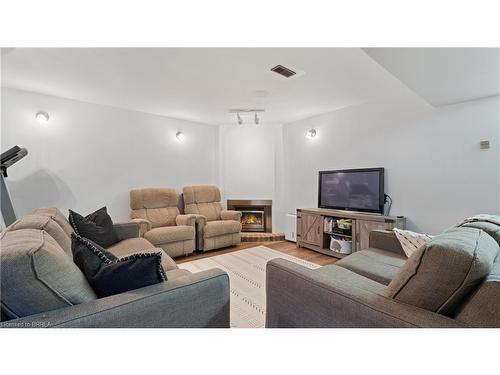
(352, 190)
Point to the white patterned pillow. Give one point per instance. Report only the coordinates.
(411, 241)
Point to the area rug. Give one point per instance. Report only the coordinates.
(247, 275)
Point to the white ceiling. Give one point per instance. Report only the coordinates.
(444, 75)
(200, 84)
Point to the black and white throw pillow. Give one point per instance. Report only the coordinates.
(109, 275)
(97, 227)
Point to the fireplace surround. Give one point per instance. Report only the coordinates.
(256, 214)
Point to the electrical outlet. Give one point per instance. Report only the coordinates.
(484, 145)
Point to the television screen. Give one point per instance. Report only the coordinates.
(352, 189)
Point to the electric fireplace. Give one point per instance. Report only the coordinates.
(252, 220)
(256, 215)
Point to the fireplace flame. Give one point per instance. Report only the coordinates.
(250, 219)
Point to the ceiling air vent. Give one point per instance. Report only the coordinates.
(285, 72)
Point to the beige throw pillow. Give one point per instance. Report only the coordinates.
(411, 241)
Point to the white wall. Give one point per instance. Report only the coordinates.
(247, 162)
(435, 171)
(89, 155)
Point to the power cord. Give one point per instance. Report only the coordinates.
(387, 199)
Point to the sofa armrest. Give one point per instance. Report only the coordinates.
(144, 226)
(129, 229)
(230, 215)
(335, 297)
(198, 300)
(385, 240)
(186, 220)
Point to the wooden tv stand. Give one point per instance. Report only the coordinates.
(310, 233)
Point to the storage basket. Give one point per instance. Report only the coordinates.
(340, 245)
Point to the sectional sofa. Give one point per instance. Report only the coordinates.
(42, 287)
(451, 282)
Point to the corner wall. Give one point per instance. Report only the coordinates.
(248, 164)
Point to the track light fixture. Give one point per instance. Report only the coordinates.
(245, 111)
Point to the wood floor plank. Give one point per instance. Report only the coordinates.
(286, 247)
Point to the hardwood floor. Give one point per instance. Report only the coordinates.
(286, 247)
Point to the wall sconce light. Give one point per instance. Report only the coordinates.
(180, 136)
(311, 133)
(42, 117)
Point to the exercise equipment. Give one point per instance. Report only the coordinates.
(8, 158)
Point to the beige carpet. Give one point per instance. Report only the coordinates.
(247, 275)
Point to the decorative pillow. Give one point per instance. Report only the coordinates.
(57, 216)
(489, 223)
(443, 271)
(37, 275)
(411, 241)
(110, 275)
(46, 223)
(97, 227)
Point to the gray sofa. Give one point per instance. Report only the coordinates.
(452, 282)
(42, 287)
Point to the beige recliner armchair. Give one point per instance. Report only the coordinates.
(157, 212)
(215, 227)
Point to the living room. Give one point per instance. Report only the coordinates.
(171, 185)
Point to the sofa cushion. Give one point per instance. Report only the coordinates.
(442, 272)
(375, 264)
(47, 224)
(492, 229)
(140, 245)
(158, 217)
(37, 275)
(221, 227)
(482, 308)
(109, 275)
(58, 216)
(158, 205)
(97, 227)
(340, 274)
(158, 236)
(129, 246)
(211, 211)
(153, 198)
(201, 194)
(202, 200)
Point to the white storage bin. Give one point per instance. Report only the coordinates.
(339, 245)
